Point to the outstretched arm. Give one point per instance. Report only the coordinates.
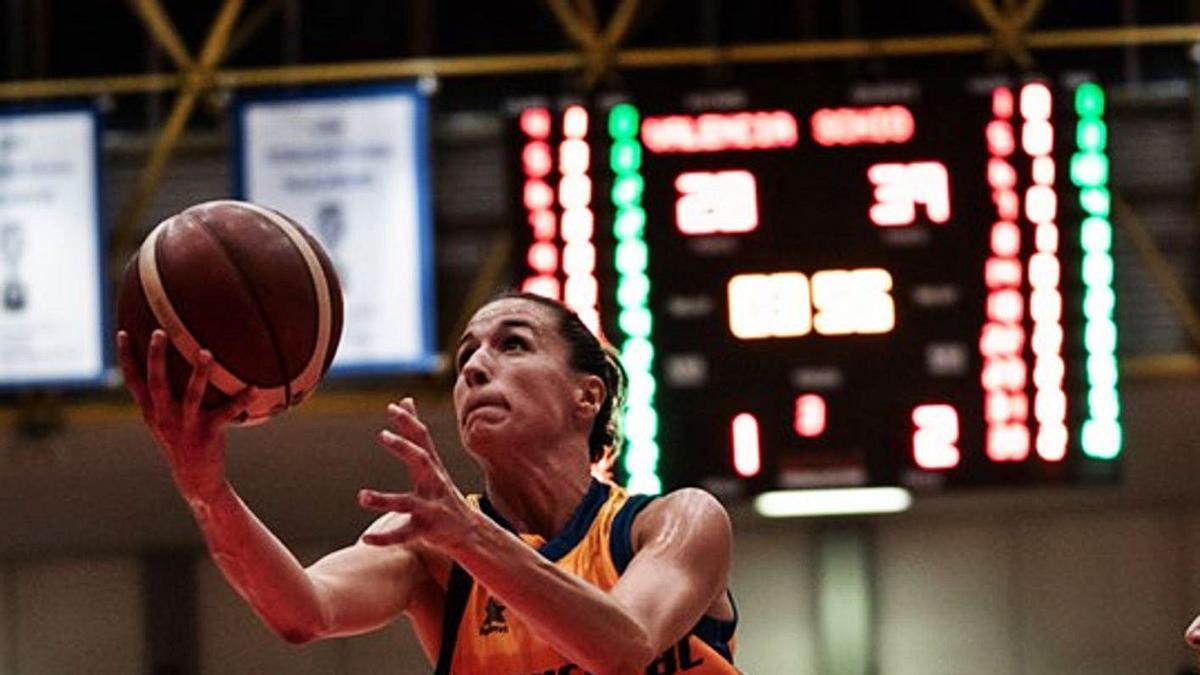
(683, 546)
(350, 591)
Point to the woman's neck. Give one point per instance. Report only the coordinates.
(539, 497)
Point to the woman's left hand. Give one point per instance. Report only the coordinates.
(437, 513)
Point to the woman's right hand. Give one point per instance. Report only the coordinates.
(190, 438)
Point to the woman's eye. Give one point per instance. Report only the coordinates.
(513, 343)
(463, 357)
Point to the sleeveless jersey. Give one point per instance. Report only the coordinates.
(480, 636)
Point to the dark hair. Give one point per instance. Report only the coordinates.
(588, 355)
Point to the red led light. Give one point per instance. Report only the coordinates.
(935, 437)
(543, 225)
(543, 257)
(535, 123)
(1006, 306)
(747, 458)
(1006, 239)
(1001, 174)
(538, 195)
(1002, 102)
(1004, 373)
(1000, 340)
(718, 132)
(809, 416)
(1001, 273)
(1008, 204)
(900, 187)
(861, 126)
(1007, 442)
(542, 285)
(1002, 407)
(1000, 139)
(535, 159)
(721, 202)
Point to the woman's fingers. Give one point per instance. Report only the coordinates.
(231, 410)
(421, 464)
(156, 371)
(193, 396)
(406, 422)
(408, 507)
(133, 374)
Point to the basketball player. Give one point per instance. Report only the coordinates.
(549, 571)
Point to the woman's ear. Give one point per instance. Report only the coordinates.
(591, 395)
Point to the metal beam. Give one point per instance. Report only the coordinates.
(197, 79)
(162, 31)
(500, 64)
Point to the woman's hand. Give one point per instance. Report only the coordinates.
(1192, 635)
(190, 438)
(435, 512)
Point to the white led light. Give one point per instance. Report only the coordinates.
(832, 502)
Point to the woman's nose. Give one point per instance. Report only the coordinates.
(475, 371)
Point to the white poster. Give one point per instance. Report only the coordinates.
(351, 167)
(51, 294)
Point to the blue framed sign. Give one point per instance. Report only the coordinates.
(351, 165)
(53, 308)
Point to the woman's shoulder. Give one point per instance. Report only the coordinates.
(690, 510)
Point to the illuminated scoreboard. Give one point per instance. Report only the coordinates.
(904, 286)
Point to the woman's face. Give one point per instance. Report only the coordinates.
(515, 385)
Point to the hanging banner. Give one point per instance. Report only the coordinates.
(351, 166)
(52, 306)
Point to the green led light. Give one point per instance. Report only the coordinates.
(1091, 135)
(625, 157)
(631, 256)
(1102, 371)
(635, 322)
(1102, 439)
(645, 483)
(630, 222)
(1100, 337)
(1097, 269)
(623, 121)
(1089, 168)
(1098, 303)
(641, 387)
(1096, 235)
(637, 353)
(1096, 201)
(1089, 100)
(640, 422)
(628, 189)
(633, 290)
(1103, 404)
(641, 456)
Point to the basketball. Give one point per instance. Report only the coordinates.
(246, 283)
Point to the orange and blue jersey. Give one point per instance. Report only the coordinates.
(480, 635)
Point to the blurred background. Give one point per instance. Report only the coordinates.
(911, 287)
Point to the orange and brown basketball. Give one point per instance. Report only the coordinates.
(246, 283)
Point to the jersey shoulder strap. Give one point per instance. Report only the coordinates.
(457, 594)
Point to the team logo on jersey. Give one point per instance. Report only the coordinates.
(494, 622)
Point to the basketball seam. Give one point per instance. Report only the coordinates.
(281, 362)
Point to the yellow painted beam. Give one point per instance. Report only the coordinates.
(499, 64)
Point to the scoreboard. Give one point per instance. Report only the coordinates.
(891, 285)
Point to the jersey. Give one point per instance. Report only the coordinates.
(480, 635)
